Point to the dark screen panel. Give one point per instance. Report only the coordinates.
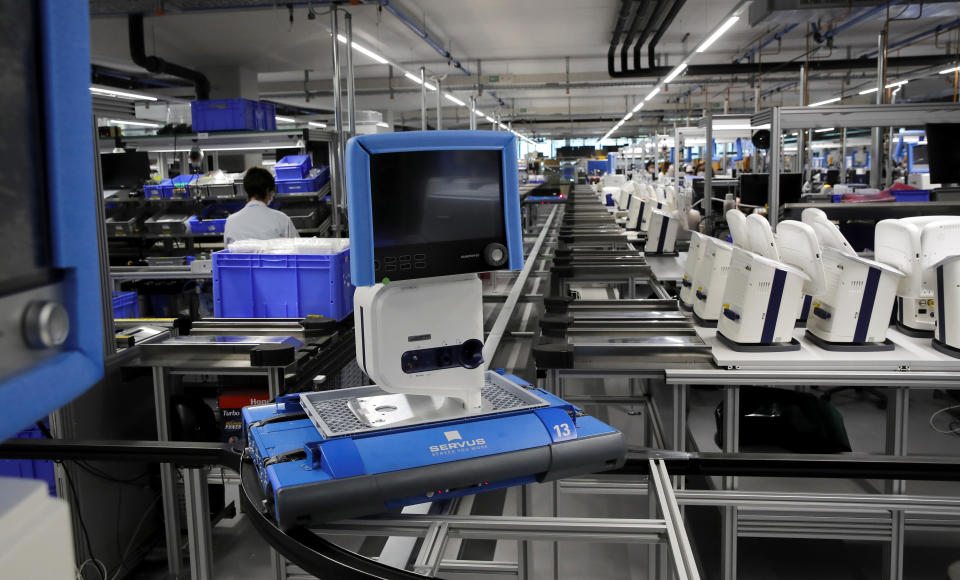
(920, 155)
(943, 152)
(124, 170)
(23, 194)
(434, 212)
(755, 188)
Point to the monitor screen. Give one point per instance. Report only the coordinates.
(437, 212)
(943, 155)
(124, 170)
(920, 155)
(755, 188)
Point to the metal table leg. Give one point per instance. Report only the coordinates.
(731, 444)
(274, 382)
(896, 444)
(199, 536)
(168, 477)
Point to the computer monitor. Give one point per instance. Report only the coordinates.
(432, 203)
(943, 153)
(124, 170)
(755, 188)
(917, 158)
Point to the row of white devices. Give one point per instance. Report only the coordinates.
(810, 261)
(649, 208)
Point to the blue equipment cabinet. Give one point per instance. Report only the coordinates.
(51, 216)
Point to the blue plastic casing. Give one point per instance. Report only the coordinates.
(66, 105)
(395, 452)
(359, 150)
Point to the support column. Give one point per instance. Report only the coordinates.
(439, 104)
(351, 92)
(774, 162)
(339, 190)
(473, 114)
(876, 135)
(423, 99)
(708, 168)
(801, 134)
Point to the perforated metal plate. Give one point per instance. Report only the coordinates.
(335, 413)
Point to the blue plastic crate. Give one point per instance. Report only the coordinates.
(269, 115)
(911, 194)
(293, 167)
(158, 190)
(203, 224)
(30, 469)
(281, 286)
(318, 177)
(180, 185)
(230, 115)
(125, 305)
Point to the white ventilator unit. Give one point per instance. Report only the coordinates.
(897, 243)
(613, 179)
(940, 241)
(627, 190)
(853, 309)
(763, 295)
(661, 233)
(420, 312)
(710, 277)
(698, 244)
(610, 193)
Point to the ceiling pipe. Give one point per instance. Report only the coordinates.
(900, 43)
(773, 37)
(753, 69)
(661, 30)
(856, 20)
(618, 32)
(156, 64)
(422, 33)
(657, 23)
(644, 16)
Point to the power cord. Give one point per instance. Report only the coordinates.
(952, 429)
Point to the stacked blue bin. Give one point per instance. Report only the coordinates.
(296, 174)
(232, 115)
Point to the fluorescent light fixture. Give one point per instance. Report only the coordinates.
(676, 71)
(717, 33)
(827, 130)
(652, 94)
(135, 123)
(950, 70)
(454, 99)
(121, 94)
(368, 52)
(413, 78)
(478, 113)
(317, 125)
(627, 116)
(825, 102)
(896, 84)
(638, 106)
(867, 91)
(382, 124)
(285, 119)
(489, 118)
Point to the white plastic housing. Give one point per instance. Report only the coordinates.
(410, 315)
(711, 278)
(694, 256)
(737, 222)
(647, 213)
(856, 301)
(753, 302)
(635, 212)
(613, 179)
(828, 234)
(897, 243)
(798, 246)
(761, 238)
(662, 233)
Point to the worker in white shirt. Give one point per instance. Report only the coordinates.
(256, 221)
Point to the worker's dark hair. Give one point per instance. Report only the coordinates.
(258, 183)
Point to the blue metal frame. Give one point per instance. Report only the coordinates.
(360, 213)
(65, 45)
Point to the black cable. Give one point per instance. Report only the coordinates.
(89, 468)
(83, 526)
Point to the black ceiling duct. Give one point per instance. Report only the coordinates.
(156, 64)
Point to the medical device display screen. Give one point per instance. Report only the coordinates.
(437, 213)
(943, 153)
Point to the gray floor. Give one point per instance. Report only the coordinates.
(240, 554)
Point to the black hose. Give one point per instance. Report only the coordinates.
(156, 64)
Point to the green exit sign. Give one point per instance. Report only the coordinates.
(523, 110)
(494, 78)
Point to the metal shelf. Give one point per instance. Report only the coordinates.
(221, 141)
(847, 116)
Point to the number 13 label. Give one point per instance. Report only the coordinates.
(562, 430)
